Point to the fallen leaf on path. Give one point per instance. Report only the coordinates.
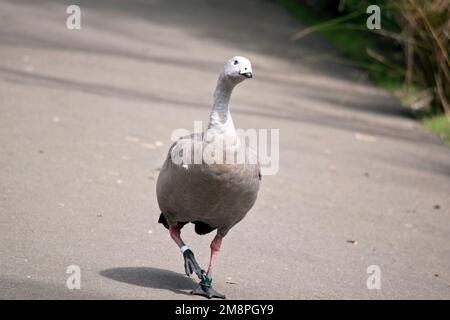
(230, 281)
(364, 137)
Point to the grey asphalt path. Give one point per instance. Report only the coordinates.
(86, 118)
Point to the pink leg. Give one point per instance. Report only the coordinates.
(215, 248)
(205, 289)
(175, 234)
(190, 264)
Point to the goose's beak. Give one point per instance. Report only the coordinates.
(246, 70)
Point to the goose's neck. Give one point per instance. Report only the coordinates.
(220, 119)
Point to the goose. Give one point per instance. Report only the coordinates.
(213, 195)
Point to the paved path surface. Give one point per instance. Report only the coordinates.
(83, 115)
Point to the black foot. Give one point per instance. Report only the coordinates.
(205, 289)
(191, 265)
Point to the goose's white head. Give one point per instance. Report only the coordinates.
(238, 69)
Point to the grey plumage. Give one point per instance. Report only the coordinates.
(219, 195)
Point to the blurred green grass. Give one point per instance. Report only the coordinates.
(419, 81)
(440, 125)
(352, 41)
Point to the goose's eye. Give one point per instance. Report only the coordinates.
(235, 62)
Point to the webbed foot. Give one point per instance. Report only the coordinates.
(206, 290)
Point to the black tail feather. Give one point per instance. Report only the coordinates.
(163, 220)
(201, 228)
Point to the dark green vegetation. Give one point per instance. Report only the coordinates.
(409, 55)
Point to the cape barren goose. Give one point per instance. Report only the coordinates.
(214, 191)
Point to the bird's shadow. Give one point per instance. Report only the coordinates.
(152, 278)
